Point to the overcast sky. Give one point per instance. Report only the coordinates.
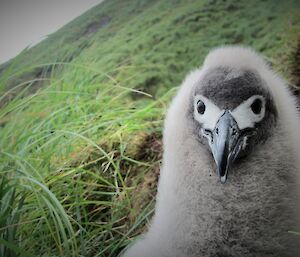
(25, 22)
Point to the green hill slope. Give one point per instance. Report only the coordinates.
(81, 115)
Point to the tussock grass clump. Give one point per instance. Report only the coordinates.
(72, 158)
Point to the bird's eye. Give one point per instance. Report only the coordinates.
(256, 106)
(200, 107)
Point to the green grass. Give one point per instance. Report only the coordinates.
(82, 113)
(74, 141)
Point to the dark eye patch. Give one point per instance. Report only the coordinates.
(201, 107)
(256, 106)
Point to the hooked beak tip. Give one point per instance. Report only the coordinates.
(223, 166)
(223, 179)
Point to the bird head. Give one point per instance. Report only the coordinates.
(232, 113)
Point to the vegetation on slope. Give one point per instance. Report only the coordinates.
(81, 115)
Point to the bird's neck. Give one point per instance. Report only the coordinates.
(192, 200)
(194, 208)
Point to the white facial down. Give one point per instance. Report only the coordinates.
(250, 112)
(210, 115)
(247, 114)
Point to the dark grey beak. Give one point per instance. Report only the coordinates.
(226, 141)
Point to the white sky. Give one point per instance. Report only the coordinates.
(24, 22)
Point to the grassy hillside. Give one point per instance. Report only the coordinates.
(81, 115)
